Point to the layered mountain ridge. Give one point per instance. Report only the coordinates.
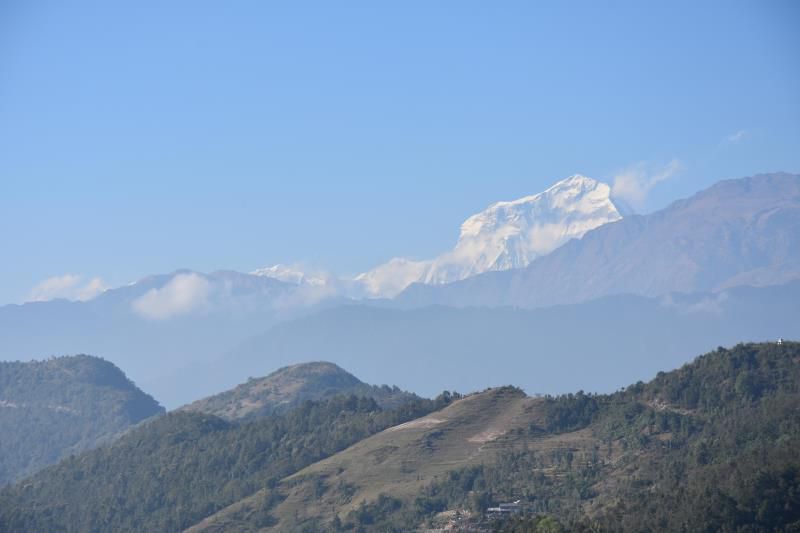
(544, 350)
(737, 232)
(506, 235)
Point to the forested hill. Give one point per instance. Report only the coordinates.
(177, 469)
(289, 387)
(64, 405)
(711, 446)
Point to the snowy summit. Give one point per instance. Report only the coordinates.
(291, 274)
(506, 235)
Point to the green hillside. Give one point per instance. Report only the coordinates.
(170, 473)
(711, 446)
(290, 386)
(65, 405)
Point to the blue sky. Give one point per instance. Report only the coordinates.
(141, 137)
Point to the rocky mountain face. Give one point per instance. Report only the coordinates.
(737, 232)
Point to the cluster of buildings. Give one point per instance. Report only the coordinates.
(503, 509)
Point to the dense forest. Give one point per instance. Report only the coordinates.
(65, 405)
(172, 472)
(711, 446)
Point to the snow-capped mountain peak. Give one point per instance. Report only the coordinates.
(508, 234)
(577, 196)
(291, 274)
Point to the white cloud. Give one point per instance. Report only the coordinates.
(734, 138)
(92, 288)
(390, 278)
(182, 294)
(635, 182)
(69, 287)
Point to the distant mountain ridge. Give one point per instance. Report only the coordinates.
(158, 325)
(65, 405)
(288, 387)
(737, 232)
(597, 345)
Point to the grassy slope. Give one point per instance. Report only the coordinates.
(580, 468)
(403, 459)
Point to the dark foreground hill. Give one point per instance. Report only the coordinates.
(172, 472)
(65, 405)
(288, 387)
(708, 447)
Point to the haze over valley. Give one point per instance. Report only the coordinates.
(708, 266)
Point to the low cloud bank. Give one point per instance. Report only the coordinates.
(183, 294)
(68, 287)
(634, 183)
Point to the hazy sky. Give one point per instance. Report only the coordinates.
(140, 137)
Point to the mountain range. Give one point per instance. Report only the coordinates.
(507, 235)
(738, 232)
(572, 244)
(596, 346)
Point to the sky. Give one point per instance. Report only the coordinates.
(141, 137)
